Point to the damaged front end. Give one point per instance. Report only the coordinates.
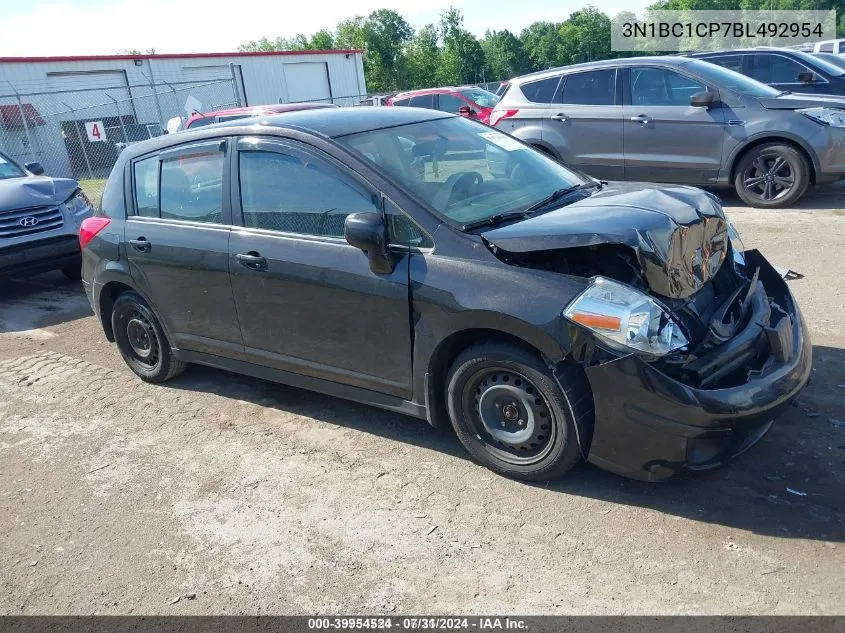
(692, 366)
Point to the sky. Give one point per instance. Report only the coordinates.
(104, 27)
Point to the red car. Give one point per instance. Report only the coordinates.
(218, 116)
(468, 101)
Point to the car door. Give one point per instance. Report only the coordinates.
(584, 123)
(306, 300)
(177, 244)
(666, 139)
(781, 72)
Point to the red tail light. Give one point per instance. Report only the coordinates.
(500, 115)
(89, 228)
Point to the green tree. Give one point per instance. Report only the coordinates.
(423, 57)
(462, 60)
(322, 41)
(540, 41)
(385, 35)
(504, 55)
(584, 37)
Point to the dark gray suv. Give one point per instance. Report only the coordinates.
(679, 120)
(376, 254)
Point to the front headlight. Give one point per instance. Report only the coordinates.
(624, 317)
(78, 203)
(826, 116)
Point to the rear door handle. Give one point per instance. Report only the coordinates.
(252, 260)
(641, 118)
(141, 244)
(560, 116)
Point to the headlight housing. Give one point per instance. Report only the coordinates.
(625, 318)
(78, 203)
(826, 116)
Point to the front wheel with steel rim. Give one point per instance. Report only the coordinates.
(511, 414)
(772, 175)
(141, 339)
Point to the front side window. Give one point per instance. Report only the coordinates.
(542, 91)
(296, 194)
(450, 103)
(191, 185)
(722, 78)
(484, 98)
(462, 170)
(597, 87)
(660, 87)
(8, 169)
(776, 69)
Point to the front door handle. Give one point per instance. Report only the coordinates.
(641, 118)
(141, 244)
(252, 260)
(560, 116)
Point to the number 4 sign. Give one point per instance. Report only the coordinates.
(95, 131)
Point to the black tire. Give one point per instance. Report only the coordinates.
(74, 273)
(772, 176)
(141, 339)
(533, 422)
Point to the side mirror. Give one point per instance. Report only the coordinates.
(35, 168)
(466, 110)
(368, 232)
(807, 77)
(702, 99)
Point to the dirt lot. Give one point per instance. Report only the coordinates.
(236, 495)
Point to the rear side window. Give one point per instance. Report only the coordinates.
(423, 101)
(731, 62)
(400, 102)
(542, 91)
(292, 194)
(842, 47)
(826, 47)
(597, 87)
(183, 186)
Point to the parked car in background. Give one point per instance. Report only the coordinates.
(39, 220)
(680, 120)
(552, 317)
(198, 119)
(830, 46)
(469, 101)
(782, 68)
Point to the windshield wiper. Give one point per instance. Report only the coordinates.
(560, 193)
(495, 219)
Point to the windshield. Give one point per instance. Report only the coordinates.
(829, 59)
(463, 170)
(8, 169)
(730, 80)
(482, 97)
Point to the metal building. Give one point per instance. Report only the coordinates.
(74, 114)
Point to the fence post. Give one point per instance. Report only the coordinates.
(119, 118)
(81, 142)
(155, 94)
(25, 125)
(235, 87)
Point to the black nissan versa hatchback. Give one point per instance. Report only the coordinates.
(374, 254)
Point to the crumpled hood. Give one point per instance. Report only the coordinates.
(34, 191)
(678, 233)
(795, 101)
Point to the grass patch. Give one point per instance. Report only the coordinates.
(93, 188)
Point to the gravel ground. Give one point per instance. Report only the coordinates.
(224, 494)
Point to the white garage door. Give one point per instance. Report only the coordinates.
(308, 81)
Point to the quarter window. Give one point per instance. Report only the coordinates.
(591, 88)
(293, 194)
(540, 91)
(659, 87)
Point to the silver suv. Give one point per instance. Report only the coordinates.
(39, 220)
(679, 120)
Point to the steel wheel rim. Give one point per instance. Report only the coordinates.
(769, 177)
(142, 339)
(510, 416)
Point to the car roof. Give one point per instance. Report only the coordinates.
(424, 91)
(263, 109)
(745, 51)
(326, 122)
(670, 60)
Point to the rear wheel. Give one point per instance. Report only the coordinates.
(142, 341)
(771, 176)
(510, 414)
